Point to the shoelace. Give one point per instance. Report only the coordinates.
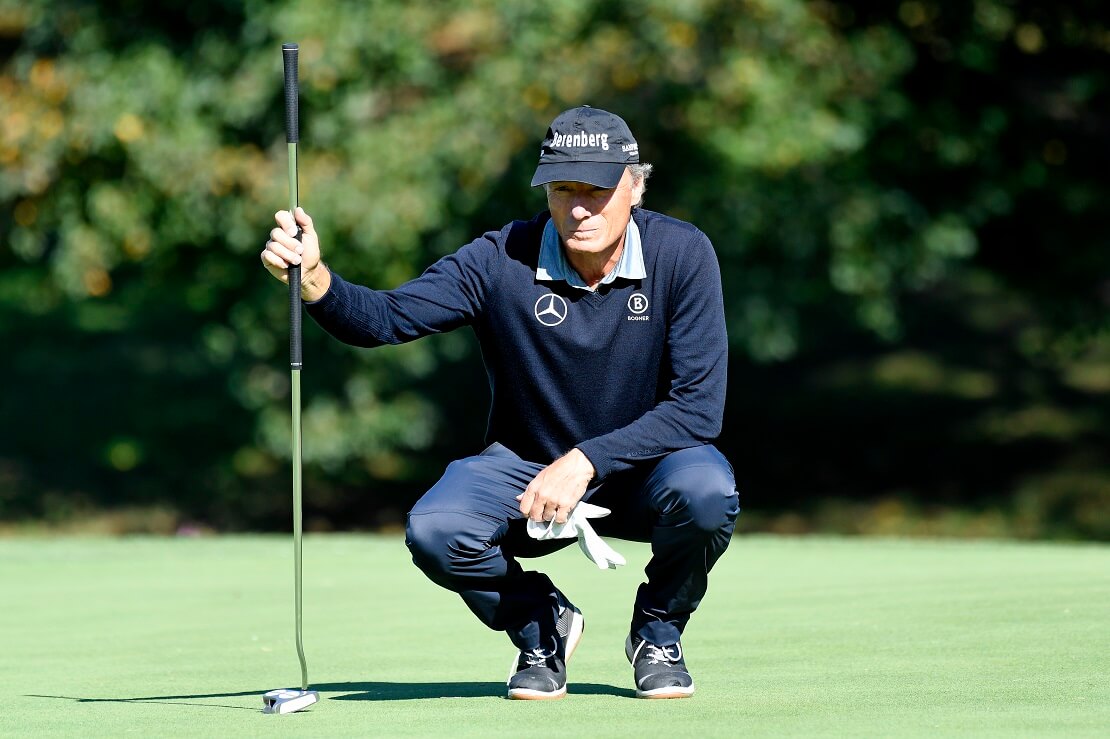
(537, 657)
(659, 654)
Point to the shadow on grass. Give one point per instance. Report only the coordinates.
(413, 691)
(167, 700)
(359, 691)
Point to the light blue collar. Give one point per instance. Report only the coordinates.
(553, 264)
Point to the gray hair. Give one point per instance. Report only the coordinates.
(640, 174)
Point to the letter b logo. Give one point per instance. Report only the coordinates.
(637, 303)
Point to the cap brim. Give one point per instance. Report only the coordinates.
(599, 174)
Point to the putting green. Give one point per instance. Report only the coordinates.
(812, 636)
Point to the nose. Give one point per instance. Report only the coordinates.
(579, 213)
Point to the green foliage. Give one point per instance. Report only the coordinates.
(844, 160)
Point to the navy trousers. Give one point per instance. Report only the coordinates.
(467, 534)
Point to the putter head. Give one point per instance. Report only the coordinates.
(288, 700)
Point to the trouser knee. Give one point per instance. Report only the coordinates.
(442, 545)
(704, 495)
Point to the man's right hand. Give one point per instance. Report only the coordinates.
(283, 250)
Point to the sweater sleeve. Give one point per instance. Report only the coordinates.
(692, 412)
(449, 294)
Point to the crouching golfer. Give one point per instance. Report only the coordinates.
(602, 330)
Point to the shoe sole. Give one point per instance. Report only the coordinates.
(574, 636)
(525, 694)
(660, 693)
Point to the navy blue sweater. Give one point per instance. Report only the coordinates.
(627, 374)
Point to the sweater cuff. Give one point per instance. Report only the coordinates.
(332, 303)
(601, 461)
(329, 295)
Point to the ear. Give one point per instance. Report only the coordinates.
(637, 191)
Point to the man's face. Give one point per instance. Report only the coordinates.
(590, 219)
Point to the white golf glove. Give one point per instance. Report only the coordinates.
(578, 525)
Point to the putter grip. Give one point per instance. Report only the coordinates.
(295, 313)
(289, 54)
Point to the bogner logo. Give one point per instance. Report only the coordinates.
(638, 304)
(581, 139)
(551, 309)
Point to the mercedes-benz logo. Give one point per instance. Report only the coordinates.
(551, 309)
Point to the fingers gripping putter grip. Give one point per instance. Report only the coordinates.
(289, 700)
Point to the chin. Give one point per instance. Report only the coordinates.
(592, 241)
(587, 246)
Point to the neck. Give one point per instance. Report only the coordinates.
(592, 267)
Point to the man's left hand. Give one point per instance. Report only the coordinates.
(554, 492)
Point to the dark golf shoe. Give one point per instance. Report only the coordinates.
(541, 674)
(660, 670)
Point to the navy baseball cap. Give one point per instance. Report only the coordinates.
(586, 145)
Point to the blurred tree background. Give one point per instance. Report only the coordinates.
(906, 199)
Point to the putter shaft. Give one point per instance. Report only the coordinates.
(290, 53)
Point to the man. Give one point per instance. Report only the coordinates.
(602, 329)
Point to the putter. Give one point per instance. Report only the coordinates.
(288, 700)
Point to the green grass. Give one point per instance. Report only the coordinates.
(797, 637)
